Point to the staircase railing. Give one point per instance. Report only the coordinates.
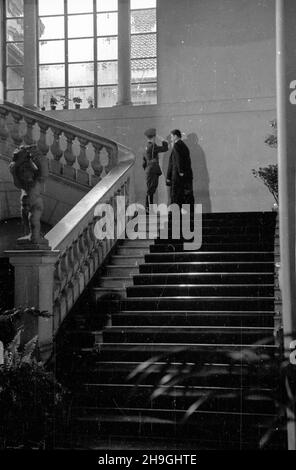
(74, 237)
(52, 280)
(73, 153)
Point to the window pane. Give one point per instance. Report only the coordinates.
(51, 76)
(143, 21)
(144, 70)
(107, 96)
(15, 30)
(80, 50)
(137, 4)
(107, 24)
(80, 26)
(51, 52)
(107, 5)
(52, 27)
(45, 95)
(107, 73)
(107, 48)
(78, 6)
(14, 77)
(143, 45)
(85, 93)
(81, 74)
(14, 8)
(144, 93)
(16, 97)
(15, 53)
(52, 7)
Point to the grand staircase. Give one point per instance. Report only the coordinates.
(174, 349)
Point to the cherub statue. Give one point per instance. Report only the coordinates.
(29, 169)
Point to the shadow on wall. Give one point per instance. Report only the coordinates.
(201, 180)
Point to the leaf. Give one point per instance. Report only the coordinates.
(15, 343)
(192, 409)
(29, 349)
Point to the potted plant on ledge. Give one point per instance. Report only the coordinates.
(90, 102)
(77, 100)
(53, 102)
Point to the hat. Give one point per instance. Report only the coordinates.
(150, 132)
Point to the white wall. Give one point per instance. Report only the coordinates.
(216, 82)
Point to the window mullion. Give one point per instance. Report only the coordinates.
(66, 54)
(96, 104)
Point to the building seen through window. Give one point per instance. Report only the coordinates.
(78, 52)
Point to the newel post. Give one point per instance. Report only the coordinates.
(34, 287)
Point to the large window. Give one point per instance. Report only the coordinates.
(14, 51)
(143, 51)
(77, 52)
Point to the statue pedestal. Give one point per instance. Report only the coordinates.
(33, 287)
(25, 243)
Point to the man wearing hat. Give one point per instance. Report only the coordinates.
(151, 164)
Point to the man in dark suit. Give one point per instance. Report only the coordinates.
(179, 174)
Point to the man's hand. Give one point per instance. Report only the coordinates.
(181, 174)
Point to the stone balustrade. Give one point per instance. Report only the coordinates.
(73, 153)
(80, 252)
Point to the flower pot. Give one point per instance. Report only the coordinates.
(43, 108)
(53, 107)
(77, 106)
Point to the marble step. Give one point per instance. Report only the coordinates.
(193, 374)
(208, 267)
(115, 281)
(183, 290)
(193, 318)
(216, 256)
(189, 303)
(180, 397)
(117, 270)
(214, 247)
(203, 278)
(186, 334)
(172, 352)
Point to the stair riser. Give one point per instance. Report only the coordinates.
(222, 238)
(240, 379)
(184, 338)
(209, 304)
(109, 283)
(200, 290)
(259, 319)
(206, 354)
(127, 260)
(224, 428)
(132, 251)
(227, 247)
(124, 397)
(186, 257)
(121, 271)
(207, 267)
(204, 279)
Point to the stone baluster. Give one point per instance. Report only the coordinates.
(104, 159)
(69, 171)
(3, 132)
(28, 138)
(111, 159)
(42, 145)
(15, 132)
(56, 166)
(82, 174)
(96, 165)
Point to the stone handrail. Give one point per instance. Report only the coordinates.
(80, 253)
(73, 153)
